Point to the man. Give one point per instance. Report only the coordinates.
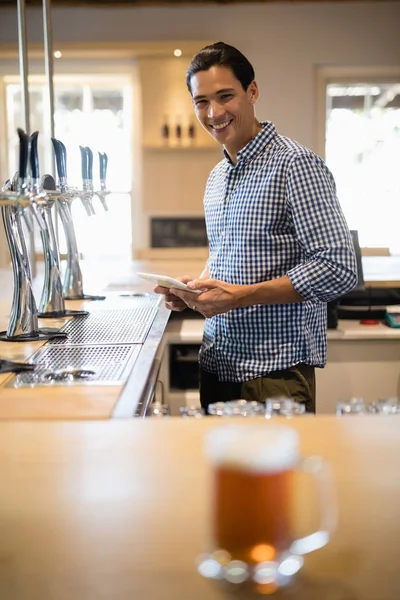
(279, 246)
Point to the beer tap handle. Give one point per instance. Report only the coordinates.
(87, 187)
(63, 151)
(84, 164)
(23, 159)
(89, 155)
(57, 155)
(20, 177)
(34, 159)
(35, 182)
(103, 161)
(61, 164)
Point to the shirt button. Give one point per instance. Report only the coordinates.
(222, 233)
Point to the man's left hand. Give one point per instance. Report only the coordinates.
(217, 296)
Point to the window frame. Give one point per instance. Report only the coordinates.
(125, 72)
(344, 75)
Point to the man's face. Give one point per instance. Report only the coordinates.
(224, 108)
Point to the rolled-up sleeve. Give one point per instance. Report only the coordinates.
(329, 269)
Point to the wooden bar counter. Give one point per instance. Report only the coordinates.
(118, 510)
(80, 402)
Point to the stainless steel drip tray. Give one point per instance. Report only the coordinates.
(127, 299)
(79, 365)
(109, 326)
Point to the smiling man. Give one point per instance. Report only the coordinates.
(279, 246)
(225, 108)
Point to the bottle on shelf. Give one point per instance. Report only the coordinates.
(165, 131)
(178, 131)
(191, 133)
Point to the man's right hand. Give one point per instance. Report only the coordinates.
(171, 301)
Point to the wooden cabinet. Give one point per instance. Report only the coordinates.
(173, 175)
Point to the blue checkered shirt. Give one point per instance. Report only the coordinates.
(274, 213)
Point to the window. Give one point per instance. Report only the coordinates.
(94, 111)
(362, 149)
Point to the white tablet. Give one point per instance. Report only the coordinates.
(165, 281)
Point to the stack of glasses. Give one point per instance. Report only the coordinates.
(357, 406)
(283, 407)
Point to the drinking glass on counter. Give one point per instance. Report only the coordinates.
(191, 411)
(286, 407)
(243, 408)
(252, 538)
(386, 406)
(353, 406)
(357, 406)
(236, 408)
(158, 409)
(217, 409)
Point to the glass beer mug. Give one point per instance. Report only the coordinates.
(251, 534)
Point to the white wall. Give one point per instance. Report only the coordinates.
(284, 41)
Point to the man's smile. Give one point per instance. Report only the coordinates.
(221, 126)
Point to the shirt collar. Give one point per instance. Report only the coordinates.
(256, 145)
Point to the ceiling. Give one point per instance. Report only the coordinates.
(166, 2)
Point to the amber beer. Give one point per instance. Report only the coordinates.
(252, 483)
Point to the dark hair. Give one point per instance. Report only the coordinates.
(221, 55)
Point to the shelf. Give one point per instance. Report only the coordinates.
(182, 148)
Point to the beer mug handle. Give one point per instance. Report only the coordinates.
(319, 468)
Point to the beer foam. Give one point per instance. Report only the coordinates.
(259, 449)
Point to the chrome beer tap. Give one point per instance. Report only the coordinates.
(52, 304)
(87, 192)
(103, 192)
(23, 323)
(25, 212)
(14, 200)
(73, 284)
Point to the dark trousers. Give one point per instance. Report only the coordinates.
(297, 382)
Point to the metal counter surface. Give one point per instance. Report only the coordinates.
(138, 389)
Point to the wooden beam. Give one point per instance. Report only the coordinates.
(122, 3)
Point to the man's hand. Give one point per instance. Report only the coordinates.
(217, 296)
(172, 301)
